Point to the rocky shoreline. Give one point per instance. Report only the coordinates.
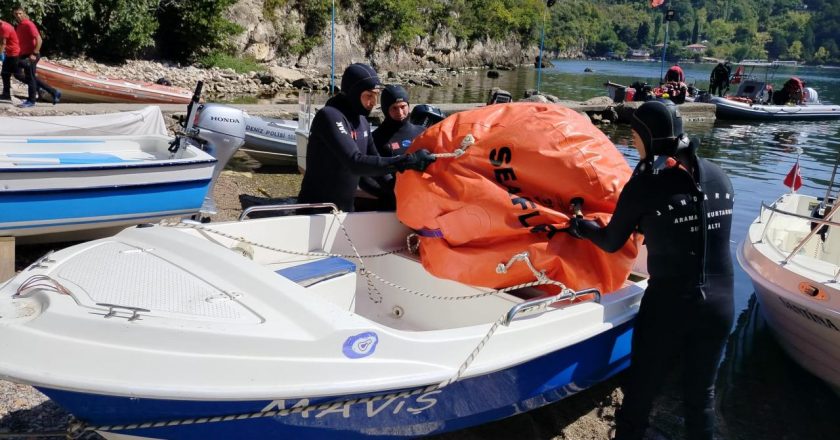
(226, 84)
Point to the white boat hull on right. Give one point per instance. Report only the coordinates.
(799, 298)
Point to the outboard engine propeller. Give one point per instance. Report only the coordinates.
(220, 131)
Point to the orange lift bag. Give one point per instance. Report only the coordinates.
(510, 192)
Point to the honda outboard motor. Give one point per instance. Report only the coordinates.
(426, 115)
(220, 131)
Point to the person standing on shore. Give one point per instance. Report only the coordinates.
(341, 148)
(685, 214)
(9, 51)
(30, 52)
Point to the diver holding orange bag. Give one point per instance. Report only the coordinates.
(685, 214)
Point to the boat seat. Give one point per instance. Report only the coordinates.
(331, 278)
(313, 272)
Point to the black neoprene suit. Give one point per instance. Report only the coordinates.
(392, 138)
(687, 309)
(340, 150)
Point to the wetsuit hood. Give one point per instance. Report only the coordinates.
(659, 125)
(391, 95)
(356, 79)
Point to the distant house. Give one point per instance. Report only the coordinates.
(638, 54)
(696, 48)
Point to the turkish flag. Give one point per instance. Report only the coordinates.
(793, 180)
(656, 3)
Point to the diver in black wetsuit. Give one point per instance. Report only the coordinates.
(395, 134)
(340, 147)
(392, 138)
(685, 214)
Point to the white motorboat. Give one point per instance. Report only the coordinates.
(59, 188)
(319, 326)
(792, 256)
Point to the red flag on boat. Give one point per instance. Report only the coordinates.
(793, 180)
(656, 3)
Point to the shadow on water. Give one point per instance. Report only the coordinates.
(764, 394)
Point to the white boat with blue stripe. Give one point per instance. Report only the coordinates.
(53, 185)
(304, 327)
(81, 187)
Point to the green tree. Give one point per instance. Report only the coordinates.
(191, 28)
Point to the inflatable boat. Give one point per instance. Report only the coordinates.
(727, 108)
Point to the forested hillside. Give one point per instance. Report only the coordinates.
(186, 30)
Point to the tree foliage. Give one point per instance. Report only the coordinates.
(804, 30)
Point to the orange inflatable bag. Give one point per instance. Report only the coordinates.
(510, 192)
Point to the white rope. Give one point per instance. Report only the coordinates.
(468, 141)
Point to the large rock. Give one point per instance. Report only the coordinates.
(285, 73)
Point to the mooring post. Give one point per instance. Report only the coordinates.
(7, 258)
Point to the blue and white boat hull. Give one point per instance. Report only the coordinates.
(463, 404)
(246, 329)
(53, 186)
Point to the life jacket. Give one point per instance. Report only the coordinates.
(510, 192)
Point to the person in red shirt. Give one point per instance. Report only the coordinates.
(675, 74)
(10, 50)
(30, 52)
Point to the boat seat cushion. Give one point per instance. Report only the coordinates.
(314, 272)
(74, 158)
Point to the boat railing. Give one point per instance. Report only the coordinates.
(814, 230)
(305, 112)
(539, 304)
(291, 207)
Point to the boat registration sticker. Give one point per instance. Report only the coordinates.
(361, 345)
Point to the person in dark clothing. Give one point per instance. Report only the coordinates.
(392, 138)
(719, 79)
(685, 214)
(340, 147)
(395, 134)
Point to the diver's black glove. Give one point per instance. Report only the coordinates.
(578, 227)
(418, 160)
